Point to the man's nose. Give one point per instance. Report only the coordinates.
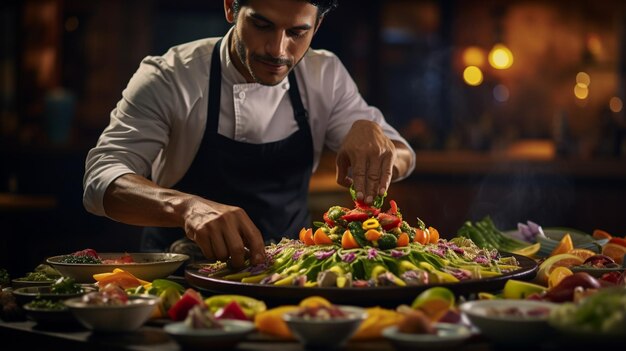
(277, 44)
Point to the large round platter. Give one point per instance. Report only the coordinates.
(383, 296)
(146, 266)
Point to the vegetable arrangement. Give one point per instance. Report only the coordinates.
(366, 247)
(367, 225)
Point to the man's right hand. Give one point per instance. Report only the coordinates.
(223, 232)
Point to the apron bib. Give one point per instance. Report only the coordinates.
(269, 181)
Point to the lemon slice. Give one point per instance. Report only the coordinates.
(518, 289)
(560, 260)
(528, 250)
(434, 302)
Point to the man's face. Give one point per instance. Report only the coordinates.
(271, 37)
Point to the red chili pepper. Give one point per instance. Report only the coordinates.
(388, 221)
(355, 215)
(372, 211)
(394, 207)
(328, 221)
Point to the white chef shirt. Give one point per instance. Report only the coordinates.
(156, 128)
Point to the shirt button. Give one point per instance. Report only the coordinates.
(242, 95)
(286, 86)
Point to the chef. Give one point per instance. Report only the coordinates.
(216, 140)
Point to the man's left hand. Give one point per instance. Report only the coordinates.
(371, 155)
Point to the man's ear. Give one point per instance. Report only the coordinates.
(229, 10)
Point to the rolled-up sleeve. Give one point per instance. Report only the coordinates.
(137, 132)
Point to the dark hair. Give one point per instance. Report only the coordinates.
(323, 6)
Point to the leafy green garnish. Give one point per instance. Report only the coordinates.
(84, 259)
(378, 200)
(65, 285)
(45, 304)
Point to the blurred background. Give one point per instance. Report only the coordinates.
(515, 108)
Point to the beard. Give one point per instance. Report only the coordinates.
(240, 47)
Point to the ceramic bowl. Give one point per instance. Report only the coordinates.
(21, 283)
(447, 335)
(146, 266)
(325, 333)
(49, 317)
(28, 294)
(233, 332)
(510, 321)
(113, 318)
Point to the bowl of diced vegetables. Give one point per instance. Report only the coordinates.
(324, 327)
(112, 310)
(201, 330)
(510, 321)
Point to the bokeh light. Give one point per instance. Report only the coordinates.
(616, 104)
(473, 76)
(581, 91)
(473, 56)
(501, 93)
(500, 57)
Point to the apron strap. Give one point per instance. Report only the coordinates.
(215, 90)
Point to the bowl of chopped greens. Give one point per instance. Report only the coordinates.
(82, 265)
(48, 312)
(597, 318)
(62, 289)
(43, 275)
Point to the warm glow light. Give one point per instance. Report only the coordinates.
(473, 56)
(615, 104)
(473, 76)
(581, 92)
(500, 57)
(583, 79)
(501, 93)
(594, 44)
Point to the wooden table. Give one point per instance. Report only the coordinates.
(28, 335)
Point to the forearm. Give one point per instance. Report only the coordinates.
(133, 199)
(403, 160)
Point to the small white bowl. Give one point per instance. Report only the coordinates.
(326, 333)
(448, 335)
(490, 318)
(233, 332)
(111, 318)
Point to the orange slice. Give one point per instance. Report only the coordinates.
(560, 260)
(306, 236)
(564, 245)
(314, 301)
(434, 235)
(321, 238)
(558, 274)
(582, 253)
(600, 234)
(614, 251)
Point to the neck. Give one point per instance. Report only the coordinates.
(236, 59)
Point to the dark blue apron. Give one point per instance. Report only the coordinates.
(269, 181)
